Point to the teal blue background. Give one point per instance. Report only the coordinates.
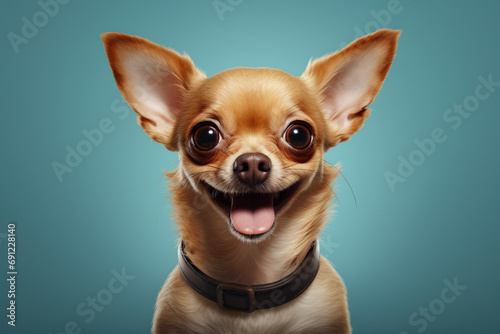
(394, 249)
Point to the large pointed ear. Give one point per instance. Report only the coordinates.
(348, 81)
(153, 80)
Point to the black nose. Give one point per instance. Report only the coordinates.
(252, 168)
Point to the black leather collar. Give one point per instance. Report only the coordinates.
(247, 298)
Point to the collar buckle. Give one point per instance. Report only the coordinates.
(238, 297)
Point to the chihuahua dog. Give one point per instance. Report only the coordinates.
(251, 193)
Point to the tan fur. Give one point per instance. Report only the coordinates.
(251, 108)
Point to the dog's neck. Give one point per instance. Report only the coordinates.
(218, 253)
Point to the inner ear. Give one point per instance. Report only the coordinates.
(154, 81)
(351, 88)
(155, 89)
(349, 80)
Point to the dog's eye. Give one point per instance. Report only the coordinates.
(206, 137)
(298, 136)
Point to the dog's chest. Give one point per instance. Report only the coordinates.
(295, 318)
(313, 312)
(322, 308)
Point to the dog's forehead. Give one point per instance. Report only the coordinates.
(253, 98)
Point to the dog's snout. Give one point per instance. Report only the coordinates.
(252, 168)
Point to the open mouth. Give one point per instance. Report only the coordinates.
(252, 214)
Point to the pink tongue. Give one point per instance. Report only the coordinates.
(252, 214)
